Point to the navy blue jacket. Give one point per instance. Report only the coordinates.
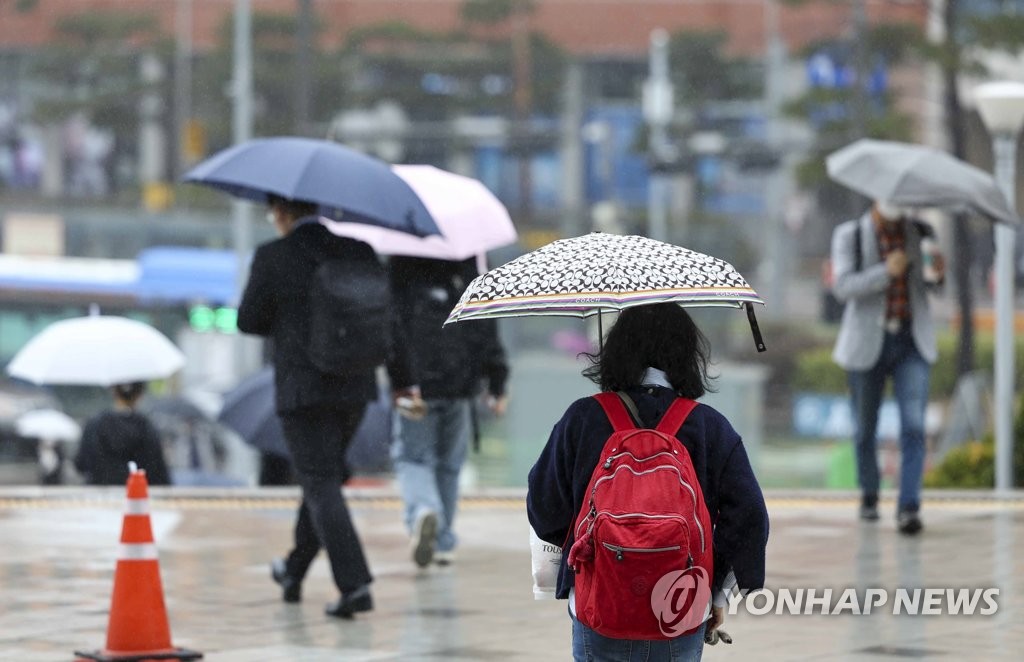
(558, 482)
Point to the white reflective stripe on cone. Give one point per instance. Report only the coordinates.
(137, 552)
(137, 507)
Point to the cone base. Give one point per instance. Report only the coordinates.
(181, 654)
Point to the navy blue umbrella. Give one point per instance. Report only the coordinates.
(249, 410)
(347, 184)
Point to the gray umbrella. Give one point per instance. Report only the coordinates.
(918, 176)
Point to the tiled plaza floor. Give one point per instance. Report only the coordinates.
(58, 549)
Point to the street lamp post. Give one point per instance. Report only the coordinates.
(1001, 106)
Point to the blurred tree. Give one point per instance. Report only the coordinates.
(702, 72)
(436, 75)
(960, 49)
(839, 117)
(277, 102)
(516, 14)
(92, 70)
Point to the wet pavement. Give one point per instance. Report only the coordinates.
(59, 548)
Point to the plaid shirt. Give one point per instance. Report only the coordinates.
(897, 300)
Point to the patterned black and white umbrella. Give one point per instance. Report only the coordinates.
(586, 275)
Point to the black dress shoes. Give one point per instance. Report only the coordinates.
(351, 603)
(291, 588)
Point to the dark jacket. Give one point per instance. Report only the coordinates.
(449, 361)
(559, 479)
(113, 439)
(276, 304)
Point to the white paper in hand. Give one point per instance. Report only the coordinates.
(547, 558)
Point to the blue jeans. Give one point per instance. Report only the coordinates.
(589, 646)
(901, 361)
(428, 456)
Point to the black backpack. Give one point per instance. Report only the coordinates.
(350, 316)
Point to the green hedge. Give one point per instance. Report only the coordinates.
(973, 464)
(816, 371)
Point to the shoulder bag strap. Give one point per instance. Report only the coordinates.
(615, 410)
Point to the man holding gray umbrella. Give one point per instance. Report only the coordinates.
(883, 275)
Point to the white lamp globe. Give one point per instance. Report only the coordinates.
(1001, 105)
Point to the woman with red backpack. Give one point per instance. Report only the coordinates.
(651, 496)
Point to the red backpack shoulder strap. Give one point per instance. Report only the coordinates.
(675, 416)
(615, 411)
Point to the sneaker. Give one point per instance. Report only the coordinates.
(869, 513)
(869, 507)
(908, 523)
(291, 588)
(445, 557)
(424, 532)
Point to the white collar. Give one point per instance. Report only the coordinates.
(655, 377)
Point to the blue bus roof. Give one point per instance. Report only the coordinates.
(169, 274)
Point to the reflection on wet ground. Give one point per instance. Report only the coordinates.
(60, 545)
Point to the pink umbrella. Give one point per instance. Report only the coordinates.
(471, 219)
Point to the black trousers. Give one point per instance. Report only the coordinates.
(317, 440)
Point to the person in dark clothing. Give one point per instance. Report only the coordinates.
(118, 436)
(654, 353)
(450, 361)
(319, 412)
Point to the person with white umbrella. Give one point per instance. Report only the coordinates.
(882, 273)
(118, 436)
(53, 429)
(111, 351)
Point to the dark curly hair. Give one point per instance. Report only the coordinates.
(661, 336)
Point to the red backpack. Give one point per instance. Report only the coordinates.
(642, 556)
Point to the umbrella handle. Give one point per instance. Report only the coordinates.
(754, 328)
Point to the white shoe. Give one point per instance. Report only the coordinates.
(446, 557)
(424, 534)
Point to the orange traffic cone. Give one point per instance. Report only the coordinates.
(138, 627)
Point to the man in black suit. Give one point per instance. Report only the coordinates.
(319, 412)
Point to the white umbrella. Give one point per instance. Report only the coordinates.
(583, 276)
(99, 350)
(49, 424)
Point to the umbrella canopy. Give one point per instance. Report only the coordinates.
(471, 219)
(98, 350)
(345, 183)
(49, 424)
(176, 406)
(917, 176)
(249, 411)
(586, 275)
